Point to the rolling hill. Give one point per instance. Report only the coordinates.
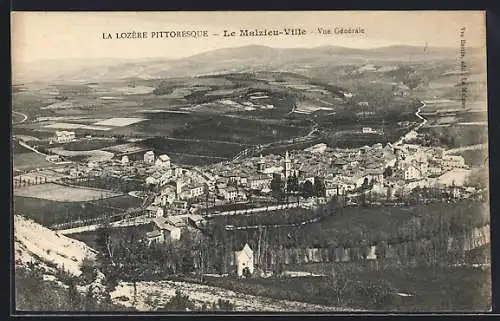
(227, 60)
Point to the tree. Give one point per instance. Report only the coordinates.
(307, 189)
(381, 250)
(90, 301)
(179, 302)
(319, 187)
(225, 305)
(277, 187)
(389, 193)
(339, 284)
(387, 172)
(377, 293)
(105, 241)
(73, 295)
(292, 184)
(366, 184)
(246, 273)
(89, 271)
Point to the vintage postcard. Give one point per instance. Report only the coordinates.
(250, 161)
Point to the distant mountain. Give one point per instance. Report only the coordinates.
(238, 59)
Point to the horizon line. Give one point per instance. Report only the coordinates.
(235, 47)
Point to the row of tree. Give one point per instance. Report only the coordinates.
(281, 189)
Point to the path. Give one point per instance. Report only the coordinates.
(23, 144)
(194, 140)
(22, 115)
(140, 220)
(416, 128)
(259, 209)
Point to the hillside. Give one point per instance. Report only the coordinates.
(35, 243)
(226, 60)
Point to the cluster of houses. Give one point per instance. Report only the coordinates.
(342, 170)
(63, 136)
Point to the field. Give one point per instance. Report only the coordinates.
(433, 289)
(29, 161)
(210, 112)
(24, 159)
(61, 193)
(458, 135)
(89, 144)
(50, 212)
(119, 122)
(83, 155)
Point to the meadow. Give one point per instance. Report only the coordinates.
(50, 212)
(62, 193)
(431, 289)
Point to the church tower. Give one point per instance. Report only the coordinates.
(260, 164)
(288, 166)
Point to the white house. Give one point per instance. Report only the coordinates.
(410, 172)
(153, 179)
(244, 260)
(368, 130)
(125, 160)
(453, 161)
(189, 191)
(149, 157)
(162, 231)
(64, 136)
(230, 193)
(332, 189)
(154, 211)
(259, 182)
(163, 161)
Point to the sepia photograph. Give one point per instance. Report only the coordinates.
(314, 161)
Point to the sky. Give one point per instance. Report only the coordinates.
(63, 35)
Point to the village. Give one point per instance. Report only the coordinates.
(180, 199)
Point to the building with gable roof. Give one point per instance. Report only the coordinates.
(244, 260)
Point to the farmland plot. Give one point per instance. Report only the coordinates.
(119, 121)
(61, 193)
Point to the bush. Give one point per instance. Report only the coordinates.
(89, 270)
(179, 302)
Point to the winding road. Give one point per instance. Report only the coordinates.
(416, 128)
(22, 115)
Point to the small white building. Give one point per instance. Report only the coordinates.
(368, 130)
(125, 160)
(332, 189)
(453, 161)
(153, 179)
(64, 136)
(230, 193)
(244, 260)
(258, 182)
(155, 211)
(410, 172)
(163, 161)
(53, 158)
(191, 191)
(149, 157)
